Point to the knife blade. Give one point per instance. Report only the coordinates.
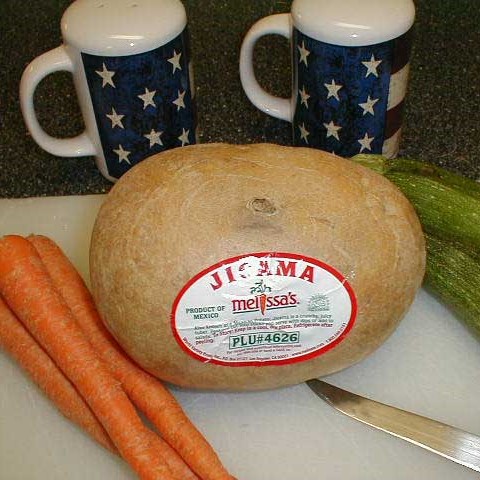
(449, 442)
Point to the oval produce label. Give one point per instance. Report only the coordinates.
(263, 309)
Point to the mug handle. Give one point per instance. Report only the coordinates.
(275, 106)
(49, 62)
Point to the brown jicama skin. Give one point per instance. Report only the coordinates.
(148, 393)
(185, 213)
(20, 345)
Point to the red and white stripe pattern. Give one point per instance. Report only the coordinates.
(396, 96)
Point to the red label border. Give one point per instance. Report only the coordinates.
(257, 363)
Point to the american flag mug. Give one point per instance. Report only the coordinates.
(350, 71)
(130, 61)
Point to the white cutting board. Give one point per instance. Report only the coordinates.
(431, 365)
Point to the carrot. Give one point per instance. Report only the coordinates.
(48, 252)
(16, 341)
(148, 394)
(174, 461)
(263, 302)
(28, 290)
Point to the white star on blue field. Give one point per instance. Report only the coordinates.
(143, 103)
(342, 95)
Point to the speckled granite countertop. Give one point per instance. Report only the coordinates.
(442, 121)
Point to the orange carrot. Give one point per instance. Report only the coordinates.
(28, 290)
(16, 341)
(263, 302)
(148, 394)
(174, 461)
(49, 252)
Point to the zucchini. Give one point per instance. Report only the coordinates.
(452, 275)
(448, 206)
(444, 211)
(386, 166)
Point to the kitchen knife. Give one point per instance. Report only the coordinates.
(450, 442)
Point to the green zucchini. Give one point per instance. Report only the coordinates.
(453, 276)
(387, 166)
(448, 206)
